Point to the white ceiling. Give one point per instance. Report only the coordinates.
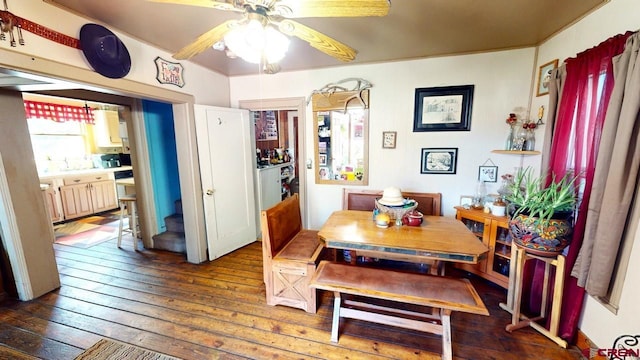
(412, 29)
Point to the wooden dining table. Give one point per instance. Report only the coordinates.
(438, 238)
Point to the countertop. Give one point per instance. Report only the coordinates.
(126, 181)
(274, 166)
(58, 174)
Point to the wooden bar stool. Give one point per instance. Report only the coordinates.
(128, 202)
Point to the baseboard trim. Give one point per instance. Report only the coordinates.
(587, 348)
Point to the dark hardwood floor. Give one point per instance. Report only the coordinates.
(216, 310)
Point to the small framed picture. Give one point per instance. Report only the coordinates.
(544, 77)
(322, 159)
(323, 173)
(389, 139)
(439, 160)
(488, 173)
(466, 200)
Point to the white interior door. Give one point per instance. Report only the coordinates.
(227, 170)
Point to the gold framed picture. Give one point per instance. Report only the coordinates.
(389, 139)
(544, 77)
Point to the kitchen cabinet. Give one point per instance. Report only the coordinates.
(52, 201)
(493, 231)
(106, 131)
(86, 195)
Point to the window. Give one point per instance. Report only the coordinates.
(59, 145)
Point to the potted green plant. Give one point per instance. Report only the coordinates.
(541, 216)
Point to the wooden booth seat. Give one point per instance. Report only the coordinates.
(290, 255)
(357, 199)
(436, 296)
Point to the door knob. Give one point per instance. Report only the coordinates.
(209, 192)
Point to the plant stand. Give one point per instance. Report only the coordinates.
(514, 295)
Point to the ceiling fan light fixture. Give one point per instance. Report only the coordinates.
(254, 42)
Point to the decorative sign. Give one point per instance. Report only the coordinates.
(169, 72)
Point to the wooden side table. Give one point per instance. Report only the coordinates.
(519, 258)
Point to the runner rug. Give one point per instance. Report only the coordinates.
(112, 350)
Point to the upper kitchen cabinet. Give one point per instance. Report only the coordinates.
(107, 128)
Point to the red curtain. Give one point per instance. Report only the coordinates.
(57, 112)
(575, 142)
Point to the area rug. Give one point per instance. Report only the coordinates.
(112, 350)
(89, 231)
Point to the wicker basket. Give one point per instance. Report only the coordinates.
(397, 212)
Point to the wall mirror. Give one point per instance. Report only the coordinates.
(341, 137)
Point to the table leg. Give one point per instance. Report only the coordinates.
(445, 318)
(335, 325)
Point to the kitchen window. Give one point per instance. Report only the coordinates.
(59, 145)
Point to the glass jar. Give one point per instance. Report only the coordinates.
(519, 139)
(508, 144)
(530, 141)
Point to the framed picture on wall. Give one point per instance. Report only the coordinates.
(445, 108)
(488, 173)
(544, 77)
(439, 160)
(389, 139)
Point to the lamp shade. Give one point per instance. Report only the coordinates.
(255, 43)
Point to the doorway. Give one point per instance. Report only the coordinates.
(293, 106)
(90, 87)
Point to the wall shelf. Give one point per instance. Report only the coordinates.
(515, 152)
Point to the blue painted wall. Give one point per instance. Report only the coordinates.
(163, 158)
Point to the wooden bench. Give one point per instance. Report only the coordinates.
(444, 294)
(290, 255)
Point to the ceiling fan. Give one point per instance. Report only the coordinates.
(276, 15)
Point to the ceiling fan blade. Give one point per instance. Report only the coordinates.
(318, 40)
(331, 8)
(220, 5)
(206, 40)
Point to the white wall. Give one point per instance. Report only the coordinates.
(618, 16)
(502, 83)
(207, 87)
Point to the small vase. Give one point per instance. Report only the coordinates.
(508, 144)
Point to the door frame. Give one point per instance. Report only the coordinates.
(293, 104)
(185, 140)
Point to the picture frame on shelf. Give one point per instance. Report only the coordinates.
(439, 160)
(445, 108)
(488, 173)
(544, 77)
(466, 200)
(389, 139)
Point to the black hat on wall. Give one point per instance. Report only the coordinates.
(106, 54)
